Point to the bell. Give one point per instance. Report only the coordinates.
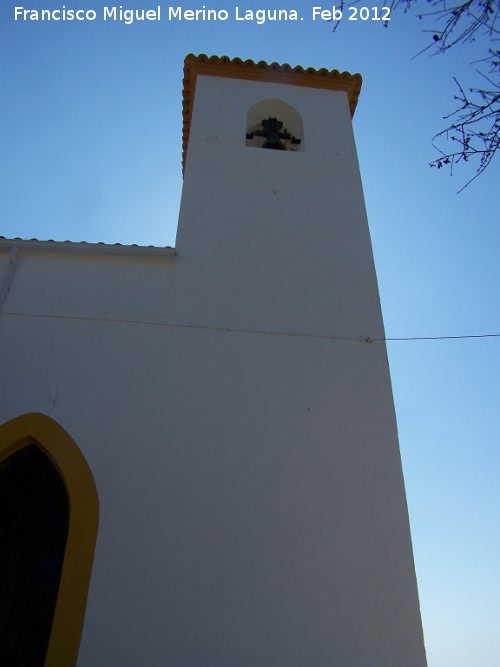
(276, 144)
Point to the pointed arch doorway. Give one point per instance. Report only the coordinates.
(49, 507)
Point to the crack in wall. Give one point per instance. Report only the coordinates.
(54, 376)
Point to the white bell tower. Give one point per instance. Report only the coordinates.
(305, 535)
(221, 416)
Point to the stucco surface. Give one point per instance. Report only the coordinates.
(240, 430)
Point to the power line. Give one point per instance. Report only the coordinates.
(496, 335)
(177, 325)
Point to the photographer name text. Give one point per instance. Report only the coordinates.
(176, 14)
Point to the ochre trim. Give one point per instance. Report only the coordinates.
(83, 521)
(261, 71)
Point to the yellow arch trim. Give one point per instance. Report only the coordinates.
(84, 516)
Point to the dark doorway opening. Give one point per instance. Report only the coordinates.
(34, 519)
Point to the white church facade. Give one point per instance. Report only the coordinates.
(213, 425)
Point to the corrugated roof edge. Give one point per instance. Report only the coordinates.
(83, 247)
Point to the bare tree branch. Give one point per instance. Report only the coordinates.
(474, 126)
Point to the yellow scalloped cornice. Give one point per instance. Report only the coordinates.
(261, 71)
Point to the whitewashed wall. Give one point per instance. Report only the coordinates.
(252, 509)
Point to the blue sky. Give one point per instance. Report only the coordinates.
(91, 150)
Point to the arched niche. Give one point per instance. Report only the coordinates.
(273, 107)
(23, 437)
